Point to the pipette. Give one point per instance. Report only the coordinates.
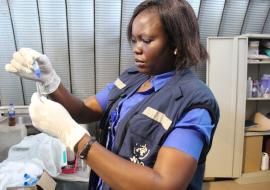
(38, 74)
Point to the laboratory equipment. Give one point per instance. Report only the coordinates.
(38, 74)
(249, 87)
(29, 180)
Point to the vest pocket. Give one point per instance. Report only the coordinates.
(146, 127)
(141, 140)
(139, 150)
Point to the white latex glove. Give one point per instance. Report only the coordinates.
(21, 64)
(52, 118)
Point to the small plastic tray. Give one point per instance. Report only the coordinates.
(70, 169)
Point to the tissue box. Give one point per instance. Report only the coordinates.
(45, 182)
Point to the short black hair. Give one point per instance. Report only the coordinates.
(181, 27)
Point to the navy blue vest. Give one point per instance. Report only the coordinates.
(144, 128)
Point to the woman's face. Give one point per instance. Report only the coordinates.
(150, 44)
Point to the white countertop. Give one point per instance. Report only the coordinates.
(10, 136)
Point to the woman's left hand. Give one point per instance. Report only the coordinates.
(52, 118)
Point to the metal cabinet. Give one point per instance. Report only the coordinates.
(227, 73)
(226, 77)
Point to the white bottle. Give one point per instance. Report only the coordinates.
(265, 161)
(255, 89)
(249, 87)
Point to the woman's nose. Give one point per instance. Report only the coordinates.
(137, 48)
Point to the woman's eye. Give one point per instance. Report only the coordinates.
(147, 41)
(133, 41)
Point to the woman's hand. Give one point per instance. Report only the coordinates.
(22, 65)
(52, 118)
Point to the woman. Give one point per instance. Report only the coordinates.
(157, 118)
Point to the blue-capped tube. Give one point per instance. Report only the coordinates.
(36, 68)
(29, 181)
(38, 74)
(26, 176)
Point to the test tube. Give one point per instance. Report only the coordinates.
(38, 74)
(28, 180)
(36, 68)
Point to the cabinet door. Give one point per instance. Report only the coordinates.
(222, 78)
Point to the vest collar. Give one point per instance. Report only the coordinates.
(169, 78)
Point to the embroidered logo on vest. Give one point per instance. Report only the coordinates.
(140, 152)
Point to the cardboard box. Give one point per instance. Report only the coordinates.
(45, 182)
(252, 154)
(266, 145)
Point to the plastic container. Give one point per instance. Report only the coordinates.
(11, 115)
(72, 163)
(254, 90)
(265, 84)
(70, 155)
(64, 156)
(249, 87)
(253, 48)
(71, 168)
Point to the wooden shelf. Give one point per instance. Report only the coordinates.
(256, 99)
(257, 36)
(258, 63)
(251, 133)
(254, 177)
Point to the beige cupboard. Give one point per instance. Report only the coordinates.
(227, 73)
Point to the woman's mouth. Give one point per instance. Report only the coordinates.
(139, 63)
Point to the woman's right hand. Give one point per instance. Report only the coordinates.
(22, 65)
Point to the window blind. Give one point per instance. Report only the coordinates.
(86, 40)
(233, 17)
(81, 43)
(126, 54)
(256, 16)
(107, 38)
(24, 16)
(10, 85)
(209, 21)
(53, 23)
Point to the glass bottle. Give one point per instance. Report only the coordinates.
(11, 115)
